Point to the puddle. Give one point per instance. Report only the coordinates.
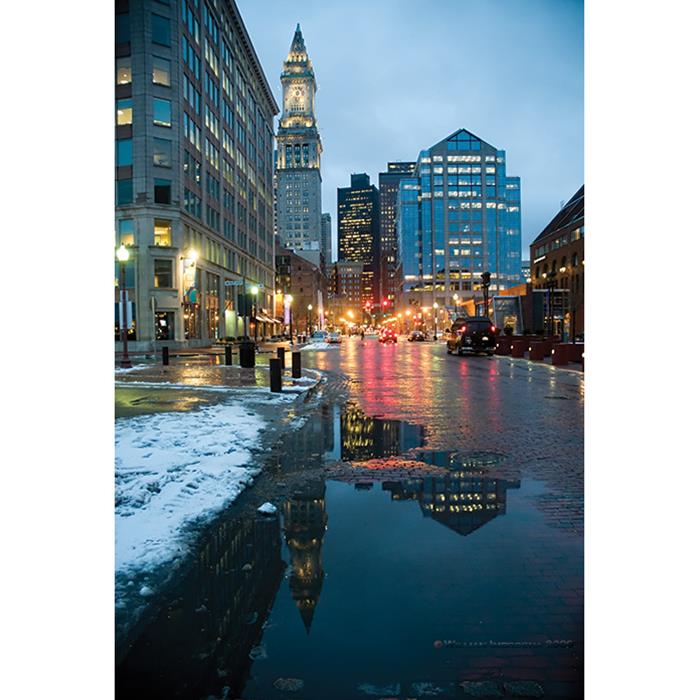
(358, 587)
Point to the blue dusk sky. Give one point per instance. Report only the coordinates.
(397, 76)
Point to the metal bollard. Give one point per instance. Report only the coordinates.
(296, 365)
(280, 356)
(166, 356)
(247, 354)
(229, 355)
(275, 374)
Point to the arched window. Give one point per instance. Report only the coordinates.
(563, 261)
(537, 272)
(574, 260)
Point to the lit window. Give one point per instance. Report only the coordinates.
(162, 153)
(124, 70)
(124, 112)
(161, 71)
(161, 191)
(161, 112)
(124, 152)
(162, 232)
(160, 27)
(126, 232)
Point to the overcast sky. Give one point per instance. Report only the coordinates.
(397, 76)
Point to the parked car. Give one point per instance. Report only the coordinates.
(472, 334)
(388, 335)
(334, 338)
(319, 337)
(416, 336)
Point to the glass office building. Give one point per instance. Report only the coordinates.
(458, 216)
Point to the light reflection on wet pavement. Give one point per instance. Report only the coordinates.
(434, 552)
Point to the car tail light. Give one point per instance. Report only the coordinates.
(493, 329)
(462, 329)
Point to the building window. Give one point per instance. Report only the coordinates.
(124, 112)
(126, 232)
(574, 260)
(162, 232)
(161, 112)
(122, 31)
(125, 191)
(160, 28)
(161, 191)
(124, 152)
(124, 70)
(165, 325)
(163, 273)
(162, 153)
(161, 71)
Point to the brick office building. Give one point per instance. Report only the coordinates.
(558, 254)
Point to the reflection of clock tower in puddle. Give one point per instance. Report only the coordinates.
(299, 156)
(304, 527)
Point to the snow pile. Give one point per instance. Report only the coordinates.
(267, 509)
(176, 469)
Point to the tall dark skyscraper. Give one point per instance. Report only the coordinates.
(389, 265)
(358, 232)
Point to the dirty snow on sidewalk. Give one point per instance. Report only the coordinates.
(175, 470)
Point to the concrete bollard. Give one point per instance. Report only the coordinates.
(166, 355)
(247, 354)
(228, 350)
(560, 354)
(281, 357)
(296, 365)
(518, 348)
(275, 374)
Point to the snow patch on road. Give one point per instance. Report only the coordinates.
(174, 470)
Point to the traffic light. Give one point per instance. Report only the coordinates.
(486, 278)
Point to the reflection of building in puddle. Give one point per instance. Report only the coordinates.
(305, 521)
(365, 438)
(200, 641)
(458, 500)
(472, 462)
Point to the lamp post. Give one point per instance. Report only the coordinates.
(562, 270)
(288, 298)
(455, 298)
(189, 263)
(485, 282)
(254, 292)
(551, 283)
(435, 308)
(123, 256)
(308, 319)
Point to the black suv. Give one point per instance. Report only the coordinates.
(472, 334)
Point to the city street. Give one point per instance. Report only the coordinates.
(427, 542)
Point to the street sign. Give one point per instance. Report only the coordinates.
(233, 283)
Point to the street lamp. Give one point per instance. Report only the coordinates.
(485, 282)
(123, 256)
(435, 308)
(288, 299)
(309, 308)
(254, 292)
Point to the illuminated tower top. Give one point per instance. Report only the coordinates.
(298, 86)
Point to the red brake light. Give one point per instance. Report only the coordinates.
(462, 329)
(493, 329)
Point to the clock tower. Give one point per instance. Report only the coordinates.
(298, 168)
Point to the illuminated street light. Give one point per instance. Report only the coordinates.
(123, 256)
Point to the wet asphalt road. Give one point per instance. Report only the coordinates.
(447, 604)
